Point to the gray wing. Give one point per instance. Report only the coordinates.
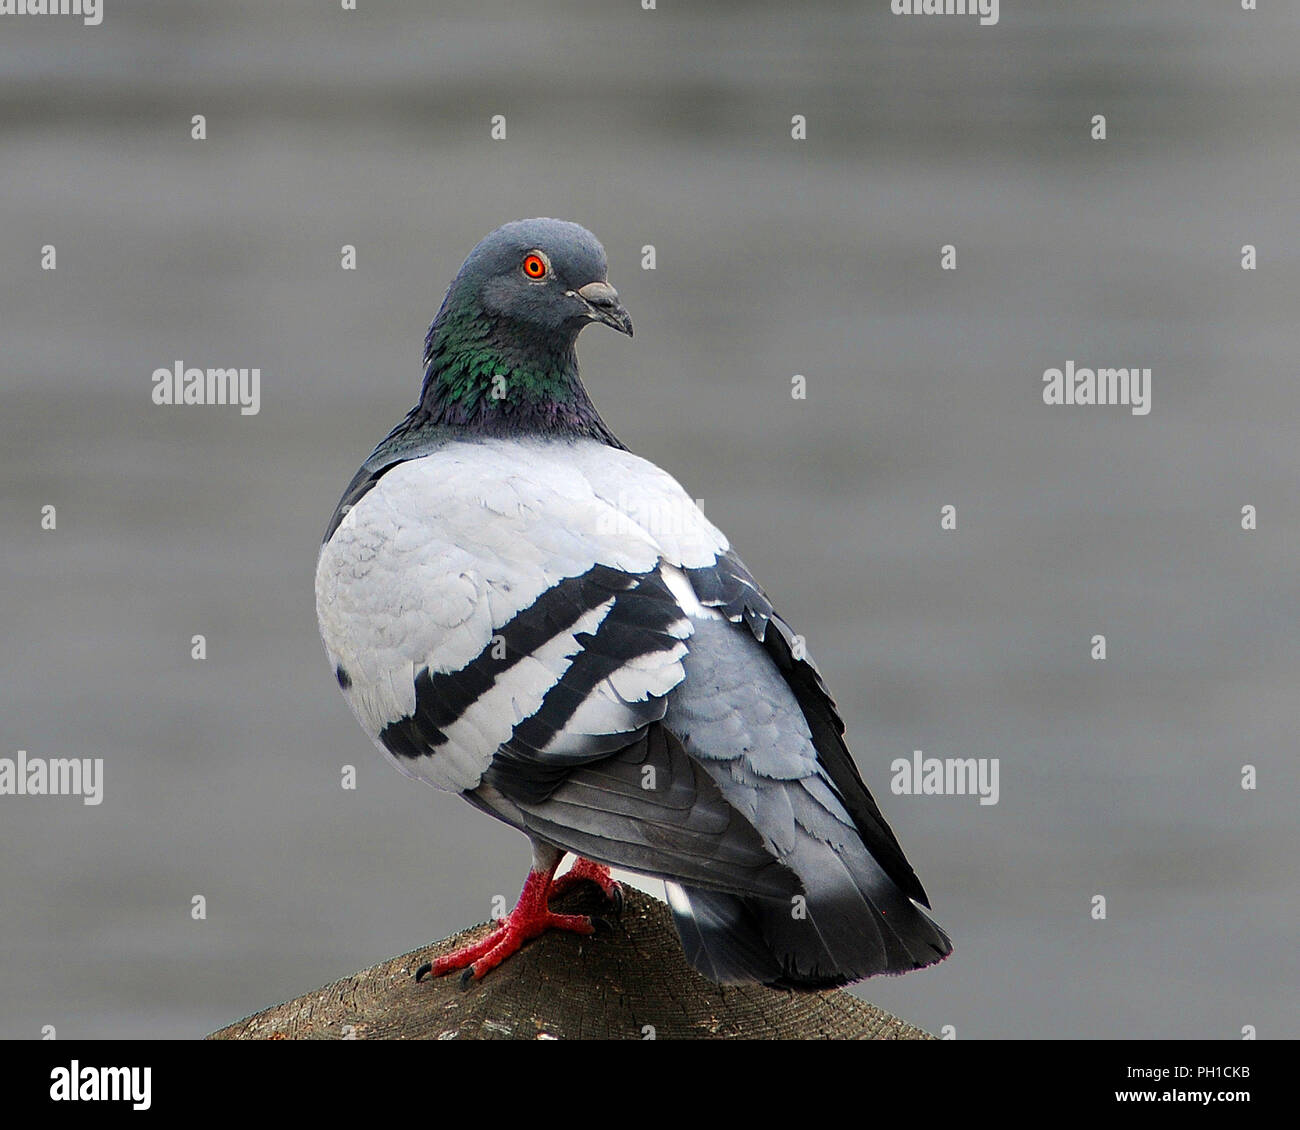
(743, 720)
(649, 808)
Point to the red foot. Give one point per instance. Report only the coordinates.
(530, 917)
(584, 871)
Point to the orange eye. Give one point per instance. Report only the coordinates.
(534, 266)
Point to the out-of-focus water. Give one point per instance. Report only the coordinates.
(774, 257)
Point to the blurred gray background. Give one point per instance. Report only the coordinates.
(775, 257)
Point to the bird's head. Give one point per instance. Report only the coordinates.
(500, 356)
(545, 277)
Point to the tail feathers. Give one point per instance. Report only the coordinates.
(840, 933)
(722, 936)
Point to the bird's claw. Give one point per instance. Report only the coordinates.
(585, 871)
(530, 918)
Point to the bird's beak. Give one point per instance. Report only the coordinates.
(602, 301)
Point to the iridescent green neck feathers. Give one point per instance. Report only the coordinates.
(496, 377)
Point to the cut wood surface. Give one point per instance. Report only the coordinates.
(631, 984)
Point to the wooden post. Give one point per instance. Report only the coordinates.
(632, 984)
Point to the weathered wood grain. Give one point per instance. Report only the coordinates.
(631, 984)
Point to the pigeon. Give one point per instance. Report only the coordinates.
(520, 610)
